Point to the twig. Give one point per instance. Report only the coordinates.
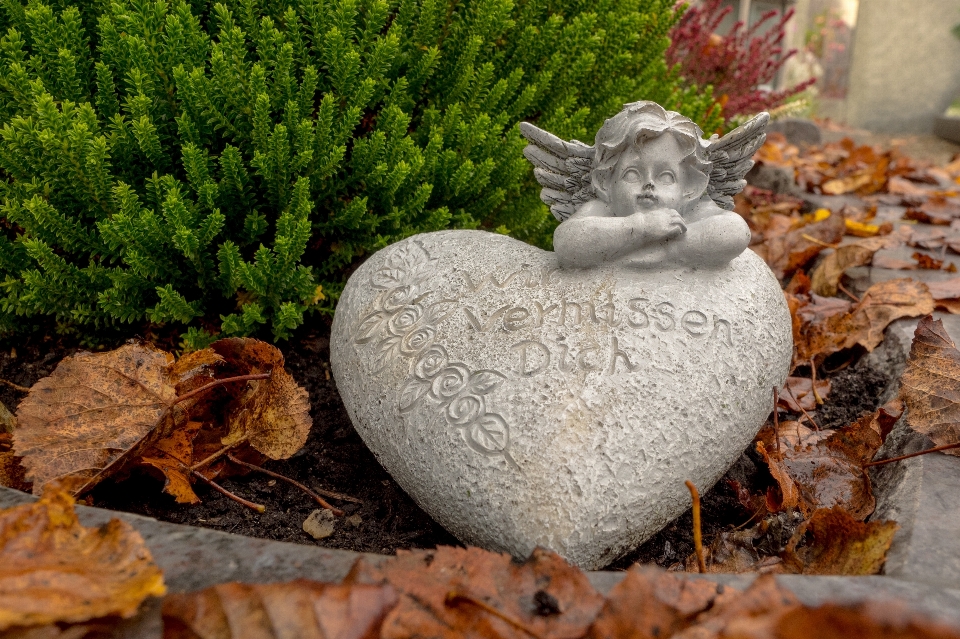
(917, 454)
(454, 597)
(223, 491)
(16, 387)
(776, 417)
(219, 382)
(810, 238)
(802, 410)
(848, 293)
(320, 500)
(333, 495)
(813, 382)
(697, 535)
(211, 458)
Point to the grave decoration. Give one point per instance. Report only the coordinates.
(561, 399)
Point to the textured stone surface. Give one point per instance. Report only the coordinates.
(798, 131)
(524, 405)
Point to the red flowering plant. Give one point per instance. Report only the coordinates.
(735, 65)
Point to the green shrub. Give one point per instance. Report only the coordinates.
(222, 166)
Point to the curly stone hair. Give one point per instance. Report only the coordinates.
(644, 120)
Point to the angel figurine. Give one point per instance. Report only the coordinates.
(650, 192)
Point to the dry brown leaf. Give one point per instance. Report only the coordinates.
(832, 542)
(7, 421)
(901, 186)
(93, 409)
(650, 603)
(753, 613)
(794, 250)
(828, 272)
(789, 496)
(54, 570)
(468, 592)
(930, 386)
(299, 609)
(172, 456)
(870, 620)
(272, 414)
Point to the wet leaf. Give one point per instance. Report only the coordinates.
(90, 411)
(797, 393)
(819, 334)
(832, 542)
(468, 592)
(299, 609)
(828, 272)
(752, 613)
(274, 413)
(870, 620)
(795, 249)
(930, 386)
(735, 551)
(54, 570)
(650, 603)
(788, 497)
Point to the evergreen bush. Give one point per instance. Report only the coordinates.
(222, 165)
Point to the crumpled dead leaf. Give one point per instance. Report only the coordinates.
(832, 542)
(797, 393)
(650, 603)
(467, 592)
(272, 414)
(54, 570)
(829, 271)
(930, 386)
(90, 411)
(297, 609)
(172, 456)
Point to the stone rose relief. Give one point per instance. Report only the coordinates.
(404, 324)
(561, 398)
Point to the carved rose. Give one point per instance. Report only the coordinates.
(398, 297)
(405, 319)
(464, 410)
(415, 340)
(450, 381)
(431, 362)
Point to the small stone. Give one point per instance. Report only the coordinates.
(354, 520)
(320, 524)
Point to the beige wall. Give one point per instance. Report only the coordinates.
(906, 65)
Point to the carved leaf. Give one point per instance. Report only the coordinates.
(389, 277)
(490, 435)
(411, 394)
(369, 327)
(485, 381)
(439, 311)
(387, 349)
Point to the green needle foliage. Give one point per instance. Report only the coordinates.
(222, 165)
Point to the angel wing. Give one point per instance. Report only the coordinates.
(562, 169)
(731, 156)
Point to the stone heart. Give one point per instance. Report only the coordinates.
(522, 405)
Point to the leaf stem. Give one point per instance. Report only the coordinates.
(917, 454)
(697, 533)
(320, 500)
(16, 387)
(813, 382)
(219, 382)
(776, 417)
(223, 491)
(211, 458)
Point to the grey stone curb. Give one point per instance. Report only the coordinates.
(194, 558)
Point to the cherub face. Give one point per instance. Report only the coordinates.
(648, 176)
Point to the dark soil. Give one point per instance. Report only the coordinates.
(335, 459)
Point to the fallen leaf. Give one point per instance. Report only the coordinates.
(752, 613)
(901, 186)
(930, 386)
(893, 263)
(828, 272)
(272, 414)
(794, 250)
(468, 592)
(934, 210)
(298, 609)
(93, 408)
(788, 497)
(735, 551)
(797, 393)
(173, 456)
(881, 304)
(650, 603)
(53, 570)
(12, 472)
(869, 620)
(832, 542)
(926, 262)
(7, 421)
